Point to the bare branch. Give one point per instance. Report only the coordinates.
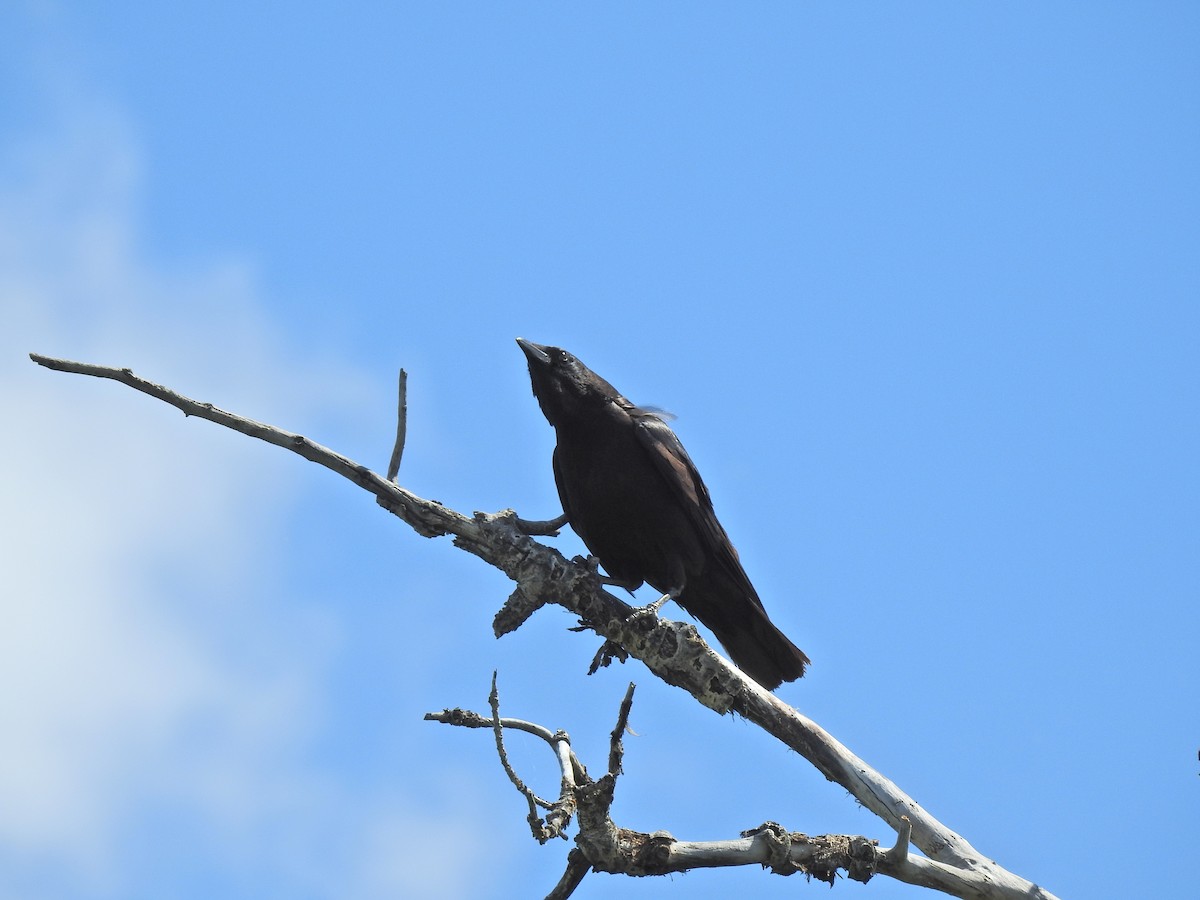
(899, 853)
(673, 651)
(577, 868)
(516, 610)
(616, 745)
(464, 718)
(426, 517)
(401, 428)
(605, 847)
(560, 811)
(533, 799)
(542, 527)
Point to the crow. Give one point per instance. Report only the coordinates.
(632, 494)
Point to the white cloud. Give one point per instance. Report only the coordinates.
(139, 663)
(152, 680)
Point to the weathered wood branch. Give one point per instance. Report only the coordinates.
(401, 426)
(602, 846)
(561, 810)
(673, 651)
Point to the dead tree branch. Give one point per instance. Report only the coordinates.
(671, 650)
(561, 810)
(401, 427)
(603, 846)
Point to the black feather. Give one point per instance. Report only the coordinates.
(634, 497)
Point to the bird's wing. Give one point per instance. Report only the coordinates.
(559, 481)
(678, 470)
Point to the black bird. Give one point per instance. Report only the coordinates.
(634, 497)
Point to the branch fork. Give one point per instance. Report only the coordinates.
(603, 846)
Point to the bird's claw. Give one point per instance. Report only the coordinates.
(593, 566)
(650, 610)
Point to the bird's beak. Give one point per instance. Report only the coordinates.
(535, 353)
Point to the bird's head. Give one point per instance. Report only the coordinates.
(565, 387)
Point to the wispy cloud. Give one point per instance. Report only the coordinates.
(144, 668)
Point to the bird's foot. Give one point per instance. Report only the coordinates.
(630, 586)
(650, 610)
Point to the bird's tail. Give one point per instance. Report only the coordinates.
(727, 603)
(762, 651)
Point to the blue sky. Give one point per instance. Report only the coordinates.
(920, 282)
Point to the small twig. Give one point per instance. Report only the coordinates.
(577, 867)
(542, 527)
(464, 718)
(515, 612)
(573, 772)
(426, 517)
(616, 749)
(401, 428)
(899, 853)
(559, 817)
(498, 730)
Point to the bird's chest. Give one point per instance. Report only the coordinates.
(622, 507)
(605, 475)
